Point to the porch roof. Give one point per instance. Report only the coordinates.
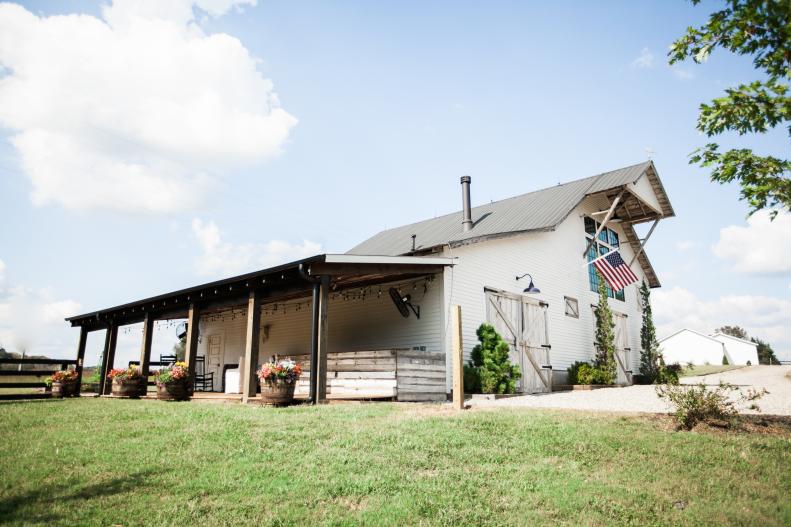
(277, 283)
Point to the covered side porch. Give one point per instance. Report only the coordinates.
(333, 313)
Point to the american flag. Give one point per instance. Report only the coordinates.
(615, 271)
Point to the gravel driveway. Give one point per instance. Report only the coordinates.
(644, 398)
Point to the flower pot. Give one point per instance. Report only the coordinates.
(277, 392)
(64, 389)
(126, 387)
(173, 391)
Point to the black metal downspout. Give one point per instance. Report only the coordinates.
(314, 332)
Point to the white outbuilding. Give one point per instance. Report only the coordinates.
(738, 351)
(690, 347)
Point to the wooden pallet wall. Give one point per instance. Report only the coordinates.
(400, 374)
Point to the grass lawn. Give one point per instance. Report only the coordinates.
(706, 369)
(105, 462)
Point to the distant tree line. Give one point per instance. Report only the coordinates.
(13, 355)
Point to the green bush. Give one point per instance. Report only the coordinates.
(573, 372)
(668, 374)
(588, 374)
(490, 370)
(698, 403)
(472, 381)
(725, 360)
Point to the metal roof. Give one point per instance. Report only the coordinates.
(534, 211)
(282, 281)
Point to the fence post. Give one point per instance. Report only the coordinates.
(458, 359)
(81, 356)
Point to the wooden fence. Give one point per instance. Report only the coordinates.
(62, 363)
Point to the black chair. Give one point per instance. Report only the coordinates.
(165, 360)
(204, 382)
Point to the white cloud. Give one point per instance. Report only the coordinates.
(645, 60)
(760, 247)
(682, 73)
(134, 111)
(685, 245)
(762, 316)
(32, 320)
(2, 272)
(219, 258)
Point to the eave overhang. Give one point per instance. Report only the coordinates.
(277, 283)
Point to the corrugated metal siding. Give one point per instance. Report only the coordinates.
(353, 325)
(556, 263)
(539, 210)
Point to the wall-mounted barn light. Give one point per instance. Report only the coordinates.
(530, 289)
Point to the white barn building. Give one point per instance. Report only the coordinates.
(739, 351)
(691, 347)
(338, 308)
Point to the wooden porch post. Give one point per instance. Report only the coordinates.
(458, 359)
(252, 332)
(108, 358)
(145, 351)
(321, 362)
(81, 355)
(191, 345)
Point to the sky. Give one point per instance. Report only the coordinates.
(147, 146)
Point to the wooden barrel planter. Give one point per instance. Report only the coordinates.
(64, 389)
(277, 393)
(126, 387)
(172, 391)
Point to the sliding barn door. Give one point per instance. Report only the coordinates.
(522, 322)
(623, 358)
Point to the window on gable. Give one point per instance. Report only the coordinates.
(572, 307)
(607, 241)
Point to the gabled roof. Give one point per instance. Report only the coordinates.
(750, 342)
(698, 333)
(540, 210)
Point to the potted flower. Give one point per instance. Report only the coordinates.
(63, 383)
(278, 380)
(172, 382)
(127, 383)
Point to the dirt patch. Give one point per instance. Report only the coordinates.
(774, 425)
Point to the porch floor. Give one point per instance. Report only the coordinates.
(219, 397)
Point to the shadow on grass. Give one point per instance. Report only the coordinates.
(37, 506)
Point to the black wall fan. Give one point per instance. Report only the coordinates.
(403, 303)
(181, 330)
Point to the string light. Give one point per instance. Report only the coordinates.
(361, 294)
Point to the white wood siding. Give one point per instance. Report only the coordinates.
(353, 325)
(555, 260)
(645, 191)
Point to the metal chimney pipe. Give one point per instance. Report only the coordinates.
(466, 222)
